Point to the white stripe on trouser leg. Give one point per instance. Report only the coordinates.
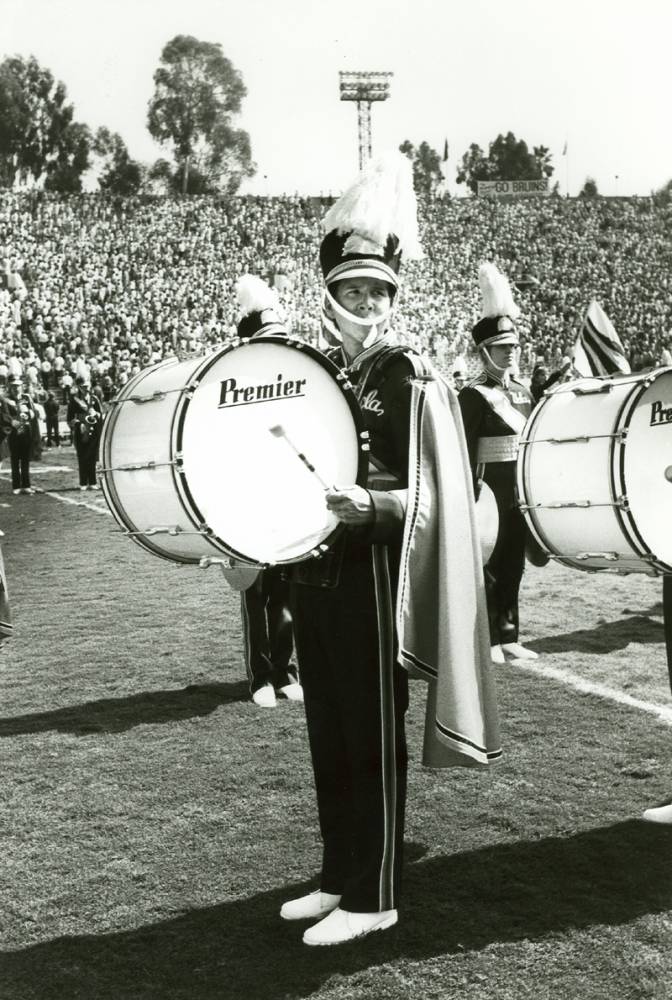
(385, 615)
(247, 644)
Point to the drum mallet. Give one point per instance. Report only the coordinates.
(278, 431)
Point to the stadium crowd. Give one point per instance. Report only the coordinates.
(94, 288)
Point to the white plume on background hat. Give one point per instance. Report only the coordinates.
(496, 294)
(254, 295)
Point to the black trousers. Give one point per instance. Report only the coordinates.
(53, 433)
(356, 697)
(267, 630)
(504, 573)
(19, 454)
(87, 456)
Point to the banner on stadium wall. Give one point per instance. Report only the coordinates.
(514, 189)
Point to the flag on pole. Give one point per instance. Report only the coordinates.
(599, 350)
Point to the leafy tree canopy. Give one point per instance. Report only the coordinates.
(508, 159)
(197, 93)
(39, 137)
(589, 189)
(119, 174)
(427, 166)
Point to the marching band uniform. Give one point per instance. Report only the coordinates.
(19, 419)
(349, 619)
(495, 408)
(85, 417)
(268, 640)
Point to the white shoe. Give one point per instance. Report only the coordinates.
(497, 654)
(292, 691)
(16, 492)
(264, 697)
(314, 906)
(658, 814)
(82, 488)
(341, 926)
(514, 651)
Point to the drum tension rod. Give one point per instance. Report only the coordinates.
(621, 502)
(582, 438)
(135, 466)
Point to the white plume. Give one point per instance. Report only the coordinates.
(380, 202)
(496, 293)
(254, 295)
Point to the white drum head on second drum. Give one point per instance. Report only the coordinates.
(647, 466)
(254, 408)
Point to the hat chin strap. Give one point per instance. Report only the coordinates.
(503, 374)
(376, 329)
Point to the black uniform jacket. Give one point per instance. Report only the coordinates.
(382, 382)
(482, 420)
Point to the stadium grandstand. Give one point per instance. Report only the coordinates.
(99, 286)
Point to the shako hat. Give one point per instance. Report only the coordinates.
(373, 224)
(259, 308)
(498, 312)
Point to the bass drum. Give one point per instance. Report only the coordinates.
(230, 455)
(595, 473)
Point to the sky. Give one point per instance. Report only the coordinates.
(594, 75)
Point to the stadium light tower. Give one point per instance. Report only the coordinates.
(364, 88)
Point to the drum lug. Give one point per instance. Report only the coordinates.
(623, 503)
(607, 556)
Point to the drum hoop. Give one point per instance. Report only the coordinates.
(523, 479)
(618, 482)
(107, 479)
(177, 429)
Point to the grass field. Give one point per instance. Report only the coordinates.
(152, 819)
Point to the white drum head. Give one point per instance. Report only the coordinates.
(257, 408)
(646, 467)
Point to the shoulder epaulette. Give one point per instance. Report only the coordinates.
(479, 379)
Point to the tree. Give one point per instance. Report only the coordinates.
(39, 137)
(197, 91)
(427, 173)
(508, 159)
(664, 195)
(119, 174)
(589, 189)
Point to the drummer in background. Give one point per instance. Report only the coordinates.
(268, 640)
(495, 408)
(343, 604)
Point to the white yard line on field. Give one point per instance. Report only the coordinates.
(566, 677)
(77, 503)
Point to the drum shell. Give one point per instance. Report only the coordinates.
(142, 433)
(606, 474)
(194, 453)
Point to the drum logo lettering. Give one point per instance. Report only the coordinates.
(660, 414)
(282, 388)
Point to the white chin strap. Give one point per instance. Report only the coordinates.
(502, 373)
(376, 329)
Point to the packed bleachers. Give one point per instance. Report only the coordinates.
(100, 287)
